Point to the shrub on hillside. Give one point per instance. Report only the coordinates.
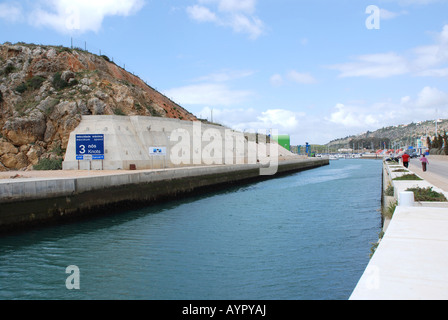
(9, 69)
(49, 164)
(21, 88)
(35, 82)
(58, 82)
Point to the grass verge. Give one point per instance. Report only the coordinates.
(427, 194)
(407, 177)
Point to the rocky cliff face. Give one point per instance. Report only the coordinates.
(44, 91)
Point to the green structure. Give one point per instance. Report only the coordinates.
(284, 141)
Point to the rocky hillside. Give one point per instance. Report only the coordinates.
(44, 91)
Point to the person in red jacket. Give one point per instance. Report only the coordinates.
(405, 158)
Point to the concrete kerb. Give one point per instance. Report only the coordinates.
(403, 185)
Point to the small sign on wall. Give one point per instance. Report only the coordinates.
(157, 151)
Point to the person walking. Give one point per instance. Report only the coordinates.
(424, 162)
(405, 158)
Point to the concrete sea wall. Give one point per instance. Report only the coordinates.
(30, 202)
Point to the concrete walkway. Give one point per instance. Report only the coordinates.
(411, 261)
(436, 173)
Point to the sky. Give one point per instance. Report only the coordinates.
(317, 70)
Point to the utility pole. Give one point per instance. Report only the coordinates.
(437, 120)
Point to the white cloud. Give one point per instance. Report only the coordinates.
(235, 14)
(439, 73)
(374, 66)
(300, 126)
(344, 119)
(241, 119)
(82, 15)
(426, 57)
(276, 80)
(225, 75)
(292, 76)
(213, 90)
(430, 60)
(246, 6)
(11, 12)
(432, 98)
(381, 114)
(236, 118)
(241, 23)
(201, 14)
(389, 15)
(281, 119)
(416, 2)
(349, 116)
(304, 78)
(212, 94)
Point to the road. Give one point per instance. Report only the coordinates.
(437, 171)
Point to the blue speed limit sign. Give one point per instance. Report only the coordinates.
(90, 147)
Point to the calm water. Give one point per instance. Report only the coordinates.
(304, 236)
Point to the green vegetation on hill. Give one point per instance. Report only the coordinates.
(401, 135)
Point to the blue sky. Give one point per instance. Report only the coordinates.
(315, 69)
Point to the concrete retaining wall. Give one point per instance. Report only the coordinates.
(36, 201)
(129, 139)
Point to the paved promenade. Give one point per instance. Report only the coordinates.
(411, 261)
(437, 171)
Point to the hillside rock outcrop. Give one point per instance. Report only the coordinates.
(45, 90)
